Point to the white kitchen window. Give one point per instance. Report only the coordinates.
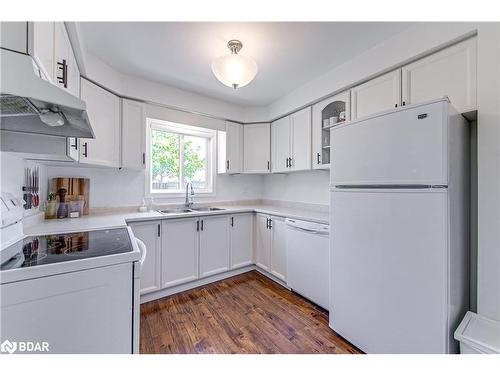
(179, 154)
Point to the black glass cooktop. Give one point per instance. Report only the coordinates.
(55, 248)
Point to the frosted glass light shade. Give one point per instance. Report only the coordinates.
(234, 70)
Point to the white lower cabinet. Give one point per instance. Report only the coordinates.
(214, 245)
(278, 247)
(241, 240)
(180, 256)
(270, 245)
(149, 232)
(262, 241)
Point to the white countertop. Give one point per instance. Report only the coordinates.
(121, 219)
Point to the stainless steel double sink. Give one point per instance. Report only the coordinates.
(185, 210)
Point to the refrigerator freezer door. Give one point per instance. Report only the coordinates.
(388, 269)
(404, 147)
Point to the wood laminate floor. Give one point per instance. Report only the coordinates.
(247, 313)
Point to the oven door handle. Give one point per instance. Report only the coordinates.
(143, 251)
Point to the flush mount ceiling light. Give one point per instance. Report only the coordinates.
(234, 70)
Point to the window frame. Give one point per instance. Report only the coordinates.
(188, 130)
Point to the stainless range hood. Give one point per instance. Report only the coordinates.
(29, 104)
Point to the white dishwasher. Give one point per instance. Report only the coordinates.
(308, 260)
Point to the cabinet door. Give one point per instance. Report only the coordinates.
(149, 233)
(256, 148)
(450, 72)
(234, 147)
(280, 144)
(336, 107)
(214, 245)
(300, 140)
(377, 95)
(103, 109)
(62, 50)
(278, 247)
(73, 75)
(133, 135)
(42, 48)
(13, 36)
(179, 260)
(262, 242)
(241, 238)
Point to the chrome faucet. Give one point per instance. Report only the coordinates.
(189, 202)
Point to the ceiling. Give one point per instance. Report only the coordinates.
(179, 54)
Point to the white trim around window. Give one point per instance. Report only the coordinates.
(187, 130)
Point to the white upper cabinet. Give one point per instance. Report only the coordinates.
(214, 245)
(377, 95)
(66, 74)
(280, 145)
(256, 148)
(133, 130)
(230, 149)
(43, 48)
(450, 72)
(325, 114)
(291, 142)
(241, 240)
(149, 232)
(103, 109)
(300, 140)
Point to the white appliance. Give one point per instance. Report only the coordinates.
(399, 217)
(76, 292)
(308, 260)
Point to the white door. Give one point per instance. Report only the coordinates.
(262, 242)
(241, 238)
(300, 140)
(280, 145)
(377, 95)
(179, 243)
(103, 109)
(278, 247)
(257, 148)
(406, 147)
(389, 262)
(149, 232)
(450, 72)
(214, 245)
(234, 146)
(133, 135)
(42, 48)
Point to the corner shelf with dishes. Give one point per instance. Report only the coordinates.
(325, 114)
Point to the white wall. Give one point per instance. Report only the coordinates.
(120, 188)
(304, 187)
(488, 133)
(139, 88)
(12, 175)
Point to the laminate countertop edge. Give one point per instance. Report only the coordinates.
(118, 220)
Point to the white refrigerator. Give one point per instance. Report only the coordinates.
(400, 230)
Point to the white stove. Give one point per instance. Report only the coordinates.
(75, 292)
